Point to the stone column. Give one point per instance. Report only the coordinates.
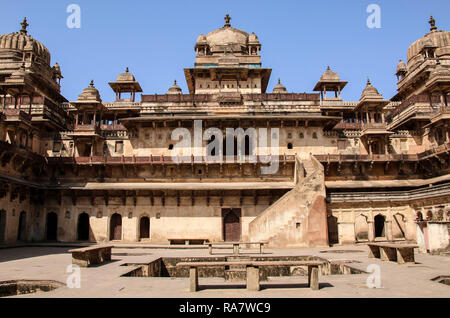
(193, 279)
(253, 278)
(388, 229)
(371, 231)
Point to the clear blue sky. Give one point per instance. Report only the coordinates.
(156, 39)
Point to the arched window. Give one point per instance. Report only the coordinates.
(144, 227)
(379, 225)
(116, 227)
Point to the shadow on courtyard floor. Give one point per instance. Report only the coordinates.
(20, 253)
(263, 286)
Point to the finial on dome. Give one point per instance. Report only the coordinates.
(24, 25)
(91, 84)
(127, 71)
(368, 81)
(227, 20)
(328, 68)
(175, 82)
(432, 23)
(279, 82)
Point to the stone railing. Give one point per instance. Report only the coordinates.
(167, 160)
(416, 194)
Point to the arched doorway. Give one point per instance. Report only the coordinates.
(116, 227)
(83, 227)
(144, 227)
(231, 225)
(21, 233)
(2, 225)
(379, 225)
(52, 226)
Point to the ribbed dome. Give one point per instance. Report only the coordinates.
(369, 90)
(90, 93)
(436, 38)
(125, 77)
(21, 41)
(329, 75)
(279, 88)
(174, 89)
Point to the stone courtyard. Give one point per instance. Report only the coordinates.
(41, 262)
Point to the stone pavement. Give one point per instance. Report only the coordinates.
(50, 263)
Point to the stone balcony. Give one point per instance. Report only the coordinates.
(443, 114)
(86, 130)
(415, 108)
(374, 129)
(16, 115)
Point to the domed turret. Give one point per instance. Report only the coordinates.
(174, 89)
(401, 67)
(329, 82)
(125, 77)
(252, 38)
(279, 88)
(369, 90)
(226, 39)
(329, 75)
(90, 93)
(201, 39)
(125, 83)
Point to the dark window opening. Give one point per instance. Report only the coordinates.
(379, 225)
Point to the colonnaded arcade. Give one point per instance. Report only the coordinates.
(348, 171)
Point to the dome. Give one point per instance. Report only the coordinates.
(369, 90)
(279, 88)
(90, 93)
(174, 89)
(225, 36)
(21, 41)
(329, 75)
(201, 39)
(401, 67)
(252, 38)
(221, 39)
(125, 77)
(436, 38)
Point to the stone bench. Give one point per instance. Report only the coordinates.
(400, 253)
(92, 255)
(186, 241)
(234, 245)
(253, 269)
